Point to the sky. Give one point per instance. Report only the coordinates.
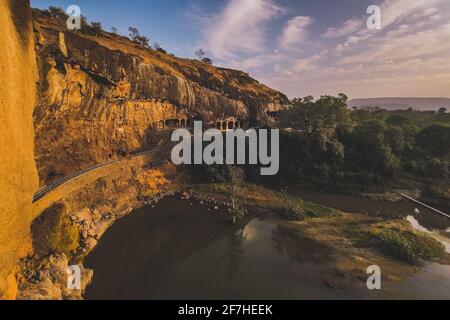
(300, 47)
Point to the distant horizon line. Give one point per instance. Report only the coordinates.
(405, 97)
(373, 97)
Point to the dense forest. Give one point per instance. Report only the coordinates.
(328, 144)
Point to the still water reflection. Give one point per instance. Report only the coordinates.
(176, 251)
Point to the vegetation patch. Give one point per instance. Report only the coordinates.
(151, 181)
(413, 248)
(53, 231)
(285, 206)
(293, 211)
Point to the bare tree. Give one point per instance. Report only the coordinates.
(232, 177)
(236, 179)
(200, 54)
(133, 32)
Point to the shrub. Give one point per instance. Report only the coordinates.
(96, 28)
(291, 209)
(142, 41)
(57, 12)
(53, 231)
(207, 60)
(158, 48)
(409, 247)
(93, 29)
(137, 37)
(437, 168)
(161, 50)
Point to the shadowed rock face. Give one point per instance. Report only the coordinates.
(17, 167)
(102, 96)
(20, 14)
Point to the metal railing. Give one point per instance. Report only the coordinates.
(47, 189)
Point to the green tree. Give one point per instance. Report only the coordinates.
(207, 60)
(133, 32)
(367, 149)
(321, 117)
(435, 140)
(96, 28)
(318, 121)
(58, 13)
(400, 134)
(437, 168)
(200, 54)
(159, 48)
(137, 37)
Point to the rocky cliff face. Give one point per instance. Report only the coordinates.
(103, 96)
(17, 167)
(98, 99)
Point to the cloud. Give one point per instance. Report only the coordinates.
(240, 28)
(295, 31)
(348, 27)
(400, 10)
(409, 53)
(256, 62)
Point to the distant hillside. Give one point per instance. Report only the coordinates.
(402, 103)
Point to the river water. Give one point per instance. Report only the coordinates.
(400, 209)
(178, 251)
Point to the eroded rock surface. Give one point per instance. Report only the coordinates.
(47, 279)
(99, 98)
(102, 97)
(17, 167)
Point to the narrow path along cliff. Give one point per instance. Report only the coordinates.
(98, 169)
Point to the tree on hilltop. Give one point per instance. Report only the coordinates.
(201, 55)
(207, 60)
(157, 46)
(57, 12)
(137, 37)
(96, 28)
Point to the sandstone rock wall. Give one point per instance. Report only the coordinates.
(17, 167)
(99, 98)
(102, 97)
